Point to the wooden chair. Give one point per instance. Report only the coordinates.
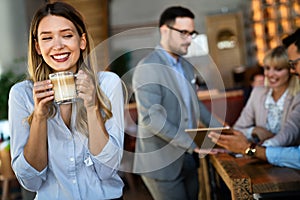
(6, 173)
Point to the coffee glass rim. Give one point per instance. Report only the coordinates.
(62, 73)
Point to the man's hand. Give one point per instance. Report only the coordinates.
(236, 143)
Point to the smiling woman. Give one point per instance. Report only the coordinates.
(269, 116)
(85, 135)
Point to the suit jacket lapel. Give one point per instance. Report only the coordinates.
(287, 106)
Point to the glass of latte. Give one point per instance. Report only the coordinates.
(64, 87)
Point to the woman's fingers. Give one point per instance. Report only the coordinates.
(43, 89)
(42, 94)
(85, 88)
(42, 85)
(84, 84)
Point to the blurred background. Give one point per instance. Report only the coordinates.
(235, 33)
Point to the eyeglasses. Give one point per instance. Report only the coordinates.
(184, 33)
(293, 63)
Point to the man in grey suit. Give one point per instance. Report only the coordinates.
(163, 82)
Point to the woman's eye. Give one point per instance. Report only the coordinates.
(46, 38)
(68, 36)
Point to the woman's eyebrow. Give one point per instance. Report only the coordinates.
(49, 32)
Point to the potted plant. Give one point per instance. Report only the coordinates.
(7, 80)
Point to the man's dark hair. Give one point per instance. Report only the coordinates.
(171, 13)
(291, 39)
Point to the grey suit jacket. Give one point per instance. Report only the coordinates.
(162, 117)
(255, 114)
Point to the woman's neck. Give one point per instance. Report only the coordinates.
(278, 92)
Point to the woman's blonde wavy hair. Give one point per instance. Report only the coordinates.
(39, 70)
(278, 57)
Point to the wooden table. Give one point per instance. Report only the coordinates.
(248, 177)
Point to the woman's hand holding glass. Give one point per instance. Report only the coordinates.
(42, 94)
(86, 89)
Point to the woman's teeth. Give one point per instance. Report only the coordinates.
(61, 56)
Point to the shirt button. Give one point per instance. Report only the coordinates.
(72, 159)
(74, 181)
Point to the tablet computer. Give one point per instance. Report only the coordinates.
(200, 137)
(204, 130)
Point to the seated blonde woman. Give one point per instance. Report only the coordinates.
(272, 113)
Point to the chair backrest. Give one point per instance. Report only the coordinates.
(5, 166)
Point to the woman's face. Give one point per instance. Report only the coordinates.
(278, 77)
(59, 43)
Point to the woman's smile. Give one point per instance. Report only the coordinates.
(61, 57)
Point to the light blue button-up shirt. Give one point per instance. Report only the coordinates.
(176, 65)
(284, 156)
(72, 171)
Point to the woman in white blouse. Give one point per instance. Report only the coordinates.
(272, 113)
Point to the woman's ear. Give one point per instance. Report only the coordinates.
(83, 41)
(37, 47)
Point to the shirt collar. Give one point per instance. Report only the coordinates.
(270, 101)
(171, 60)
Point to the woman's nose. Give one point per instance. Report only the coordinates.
(58, 44)
(270, 72)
